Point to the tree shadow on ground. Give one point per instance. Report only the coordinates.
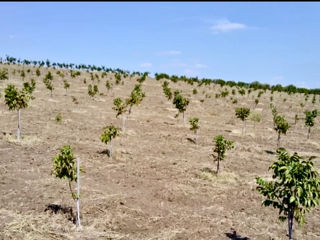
(269, 152)
(235, 236)
(107, 151)
(191, 140)
(56, 209)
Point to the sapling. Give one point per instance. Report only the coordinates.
(66, 85)
(48, 82)
(120, 107)
(64, 167)
(109, 133)
(194, 126)
(17, 100)
(255, 117)
(294, 189)
(243, 113)
(136, 97)
(281, 126)
(4, 74)
(220, 148)
(180, 103)
(309, 122)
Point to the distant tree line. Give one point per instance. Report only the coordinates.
(290, 89)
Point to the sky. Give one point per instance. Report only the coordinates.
(269, 42)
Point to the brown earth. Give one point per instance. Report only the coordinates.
(159, 184)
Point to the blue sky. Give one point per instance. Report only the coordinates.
(269, 42)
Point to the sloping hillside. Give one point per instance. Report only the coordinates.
(159, 184)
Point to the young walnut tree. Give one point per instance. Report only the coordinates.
(309, 122)
(120, 107)
(281, 126)
(194, 126)
(243, 114)
(136, 97)
(221, 146)
(64, 167)
(109, 133)
(17, 100)
(180, 103)
(294, 189)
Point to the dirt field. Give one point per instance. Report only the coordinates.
(158, 185)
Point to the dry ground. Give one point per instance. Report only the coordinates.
(156, 186)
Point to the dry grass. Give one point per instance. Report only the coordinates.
(159, 185)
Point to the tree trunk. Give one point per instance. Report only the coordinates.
(78, 193)
(130, 109)
(244, 127)
(197, 137)
(123, 123)
(111, 147)
(278, 141)
(309, 130)
(218, 165)
(51, 93)
(290, 224)
(19, 126)
(184, 122)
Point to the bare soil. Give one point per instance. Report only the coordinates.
(159, 183)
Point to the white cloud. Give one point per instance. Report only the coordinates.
(169, 53)
(146, 65)
(11, 36)
(224, 25)
(199, 65)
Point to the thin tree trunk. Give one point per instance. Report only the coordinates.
(70, 188)
(184, 122)
(278, 141)
(78, 193)
(19, 126)
(218, 165)
(111, 147)
(244, 127)
(197, 136)
(290, 224)
(309, 130)
(51, 93)
(123, 123)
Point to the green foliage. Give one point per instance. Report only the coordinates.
(109, 133)
(234, 101)
(294, 189)
(180, 102)
(242, 91)
(16, 99)
(118, 78)
(58, 118)
(256, 117)
(66, 84)
(22, 74)
(224, 93)
(48, 82)
(136, 97)
(220, 148)
(194, 126)
(281, 125)
(309, 122)
(108, 85)
(29, 87)
(194, 91)
(4, 74)
(38, 73)
(166, 90)
(119, 106)
(75, 100)
(310, 116)
(242, 113)
(256, 101)
(92, 90)
(64, 166)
